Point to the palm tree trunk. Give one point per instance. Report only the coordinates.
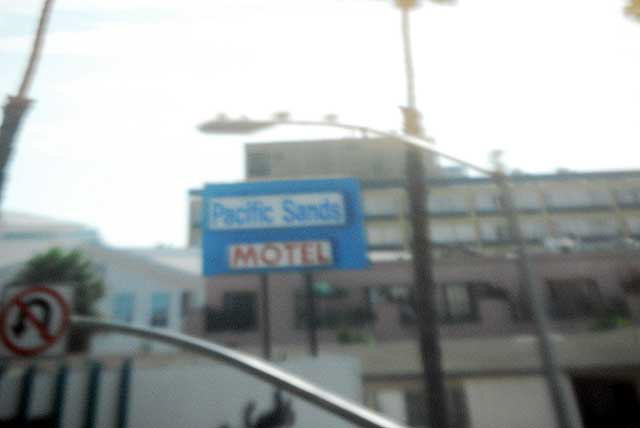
(13, 113)
(17, 105)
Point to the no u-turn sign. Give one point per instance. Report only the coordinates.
(34, 320)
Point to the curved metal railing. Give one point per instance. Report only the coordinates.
(295, 385)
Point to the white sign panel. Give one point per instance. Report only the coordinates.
(34, 320)
(277, 211)
(280, 254)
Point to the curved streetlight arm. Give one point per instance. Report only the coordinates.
(248, 126)
(295, 385)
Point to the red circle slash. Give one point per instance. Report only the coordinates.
(47, 338)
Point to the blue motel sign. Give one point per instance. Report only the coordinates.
(282, 225)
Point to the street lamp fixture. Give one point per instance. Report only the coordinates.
(422, 264)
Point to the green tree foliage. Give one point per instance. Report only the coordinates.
(70, 267)
(65, 266)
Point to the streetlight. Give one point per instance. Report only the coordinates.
(426, 308)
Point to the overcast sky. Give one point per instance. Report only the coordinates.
(111, 140)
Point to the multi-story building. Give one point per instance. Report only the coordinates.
(367, 158)
(581, 228)
(489, 351)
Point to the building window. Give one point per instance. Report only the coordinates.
(574, 298)
(487, 201)
(494, 230)
(441, 233)
(572, 197)
(600, 197)
(195, 237)
(603, 226)
(534, 228)
(377, 167)
(456, 303)
(525, 199)
(573, 227)
(384, 234)
(336, 307)
(186, 301)
(123, 305)
(195, 208)
(628, 196)
(416, 409)
(586, 227)
(634, 224)
(258, 164)
(238, 313)
(447, 203)
(448, 233)
(385, 202)
(160, 309)
(458, 414)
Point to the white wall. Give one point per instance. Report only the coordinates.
(142, 287)
(513, 402)
(392, 404)
(211, 396)
(188, 394)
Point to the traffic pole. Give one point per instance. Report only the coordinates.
(534, 302)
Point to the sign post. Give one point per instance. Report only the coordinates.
(266, 316)
(34, 320)
(283, 226)
(312, 314)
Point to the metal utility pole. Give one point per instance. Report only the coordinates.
(16, 106)
(423, 281)
(534, 303)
